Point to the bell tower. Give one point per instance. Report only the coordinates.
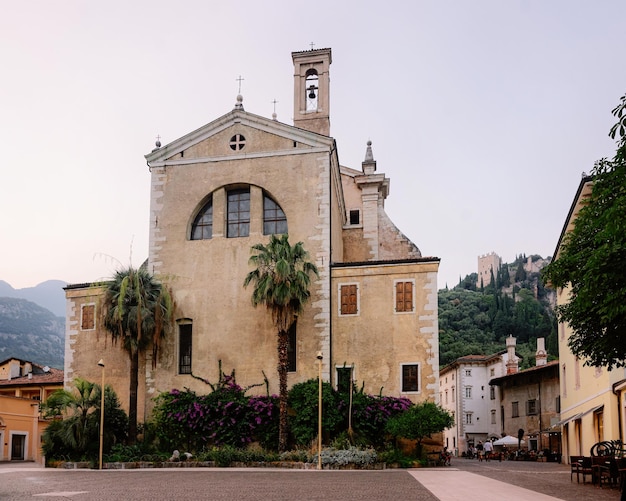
(311, 92)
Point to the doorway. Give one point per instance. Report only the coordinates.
(18, 447)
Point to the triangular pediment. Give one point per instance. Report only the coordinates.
(238, 134)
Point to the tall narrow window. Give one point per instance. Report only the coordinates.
(274, 220)
(238, 213)
(88, 317)
(410, 377)
(312, 89)
(291, 348)
(492, 392)
(184, 348)
(202, 227)
(493, 416)
(514, 409)
(404, 296)
(468, 392)
(531, 407)
(349, 299)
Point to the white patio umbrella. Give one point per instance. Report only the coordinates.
(508, 440)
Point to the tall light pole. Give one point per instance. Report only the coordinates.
(319, 411)
(101, 364)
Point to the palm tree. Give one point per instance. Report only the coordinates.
(76, 435)
(137, 312)
(281, 283)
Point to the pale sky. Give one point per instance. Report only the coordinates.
(483, 114)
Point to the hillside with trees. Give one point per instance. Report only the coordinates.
(476, 319)
(31, 332)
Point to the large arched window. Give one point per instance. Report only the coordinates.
(202, 227)
(274, 219)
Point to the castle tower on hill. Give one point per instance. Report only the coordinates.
(486, 264)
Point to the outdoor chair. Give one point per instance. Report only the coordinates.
(585, 468)
(601, 466)
(621, 472)
(574, 464)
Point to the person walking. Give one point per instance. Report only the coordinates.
(488, 448)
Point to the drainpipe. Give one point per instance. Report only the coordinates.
(617, 391)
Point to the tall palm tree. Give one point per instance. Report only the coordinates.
(281, 282)
(137, 312)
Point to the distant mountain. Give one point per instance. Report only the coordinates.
(31, 332)
(48, 294)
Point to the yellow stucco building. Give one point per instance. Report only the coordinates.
(228, 185)
(23, 386)
(593, 400)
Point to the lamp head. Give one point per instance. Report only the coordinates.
(319, 355)
(101, 363)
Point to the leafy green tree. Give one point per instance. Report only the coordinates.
(418, 422)
(77, 434)
(137, 312)
(591, 262)
(281, 282)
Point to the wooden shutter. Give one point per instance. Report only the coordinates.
(349, 299)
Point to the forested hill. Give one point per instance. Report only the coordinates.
(476, 320)
(31, 332)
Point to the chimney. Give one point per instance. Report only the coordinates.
(541, 357)
(511, 362)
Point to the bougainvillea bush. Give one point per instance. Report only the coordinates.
(226, 416)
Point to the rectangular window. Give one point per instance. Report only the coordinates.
(349, 299)
(355, 216)
(493, 417)
(492, 392)
(344, 379)
(468, 392)
(88, 317)
(492, 372)
(514, 409)
(184, 348)
(410, 378)
(558, 404)
(468, 418)
(238, 213)
(291, 348)
(468, 372)
(404, 296)
(531, 407)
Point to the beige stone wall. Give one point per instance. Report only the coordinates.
(85, 348)
(377, 340)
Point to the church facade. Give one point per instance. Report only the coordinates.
(229, 185)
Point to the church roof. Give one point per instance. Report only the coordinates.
(160, 155)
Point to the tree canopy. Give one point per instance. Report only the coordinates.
(592, 262)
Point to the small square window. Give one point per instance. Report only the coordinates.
(531, 407)
(355, 216)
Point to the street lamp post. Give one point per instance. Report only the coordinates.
(319, 411)
(101, 364)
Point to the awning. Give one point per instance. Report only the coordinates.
(566, 420)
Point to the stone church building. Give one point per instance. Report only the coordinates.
(228, 185)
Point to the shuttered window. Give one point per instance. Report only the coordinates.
(88, 317)
(349, 299)
(404, 296)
